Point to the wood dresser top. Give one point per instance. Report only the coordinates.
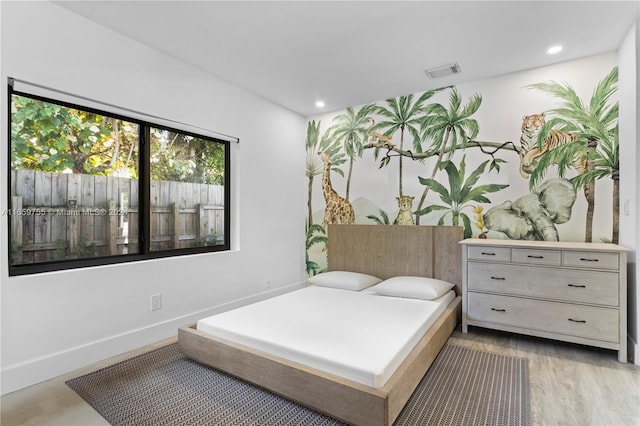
(562, 245)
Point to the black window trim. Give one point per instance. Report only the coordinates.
(144, 193)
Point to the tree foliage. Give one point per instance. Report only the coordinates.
(350, 129)
(460, 193)
(184, 158)
(450, 129)
(404, 114)
(313, 164)
(54, 138)
(595, 122)
(50, 137)
(596, 125)
(315, 235)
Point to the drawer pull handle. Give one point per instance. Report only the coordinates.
(498, 278)
(535, 257)
(498, 310)
(577, 285)
(484, 253)
(588, 260)
(574, 320)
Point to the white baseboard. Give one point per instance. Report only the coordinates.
(33, 371)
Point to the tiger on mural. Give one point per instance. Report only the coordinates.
(529, 151)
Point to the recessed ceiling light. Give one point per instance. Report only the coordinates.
(320, 104)
(554, 49)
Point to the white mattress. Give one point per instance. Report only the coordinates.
(358, 336)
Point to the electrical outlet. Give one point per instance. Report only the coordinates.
(156, 302)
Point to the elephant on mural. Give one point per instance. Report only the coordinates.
(534, 216)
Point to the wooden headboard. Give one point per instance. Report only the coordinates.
(391, 250)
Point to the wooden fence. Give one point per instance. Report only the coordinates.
(59, 215)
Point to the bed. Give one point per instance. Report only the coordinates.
(376, 393)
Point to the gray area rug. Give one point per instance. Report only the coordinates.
(164, 387)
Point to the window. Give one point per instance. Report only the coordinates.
(89, 187)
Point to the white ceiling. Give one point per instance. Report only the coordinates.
(354, 52)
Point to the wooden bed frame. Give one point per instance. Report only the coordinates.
(380, 250)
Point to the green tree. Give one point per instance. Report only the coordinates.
(50, 137)
(449, 129)
(313, 163)
(382, 220)
(183, 158)
(596, 124)
(403, 114)
(315, 235)
(350, 129)
(54, 138)
(459, 195)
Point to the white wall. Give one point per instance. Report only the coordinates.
(56, 322)
(629, 82)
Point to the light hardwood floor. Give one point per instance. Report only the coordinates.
(569, 385)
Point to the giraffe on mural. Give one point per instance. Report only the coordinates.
(337, 209)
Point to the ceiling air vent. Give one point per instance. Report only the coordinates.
(444, 71)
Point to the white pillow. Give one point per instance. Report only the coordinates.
(344, 280)
(413, 287)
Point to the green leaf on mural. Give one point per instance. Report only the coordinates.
(460, 194)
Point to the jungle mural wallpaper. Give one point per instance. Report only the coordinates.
(443, 157)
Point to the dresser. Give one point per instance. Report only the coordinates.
(575, 292)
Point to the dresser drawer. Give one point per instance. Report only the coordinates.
(494, 254)
(596, 260)
(570, 285)
(553, 317)
(537, 257)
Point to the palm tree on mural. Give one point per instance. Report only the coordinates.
(448, 129)
(350, 129)
(405, 115)
(315, 235)
(596, 124)
(314, 165)
(383, 219)
(460, 193)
